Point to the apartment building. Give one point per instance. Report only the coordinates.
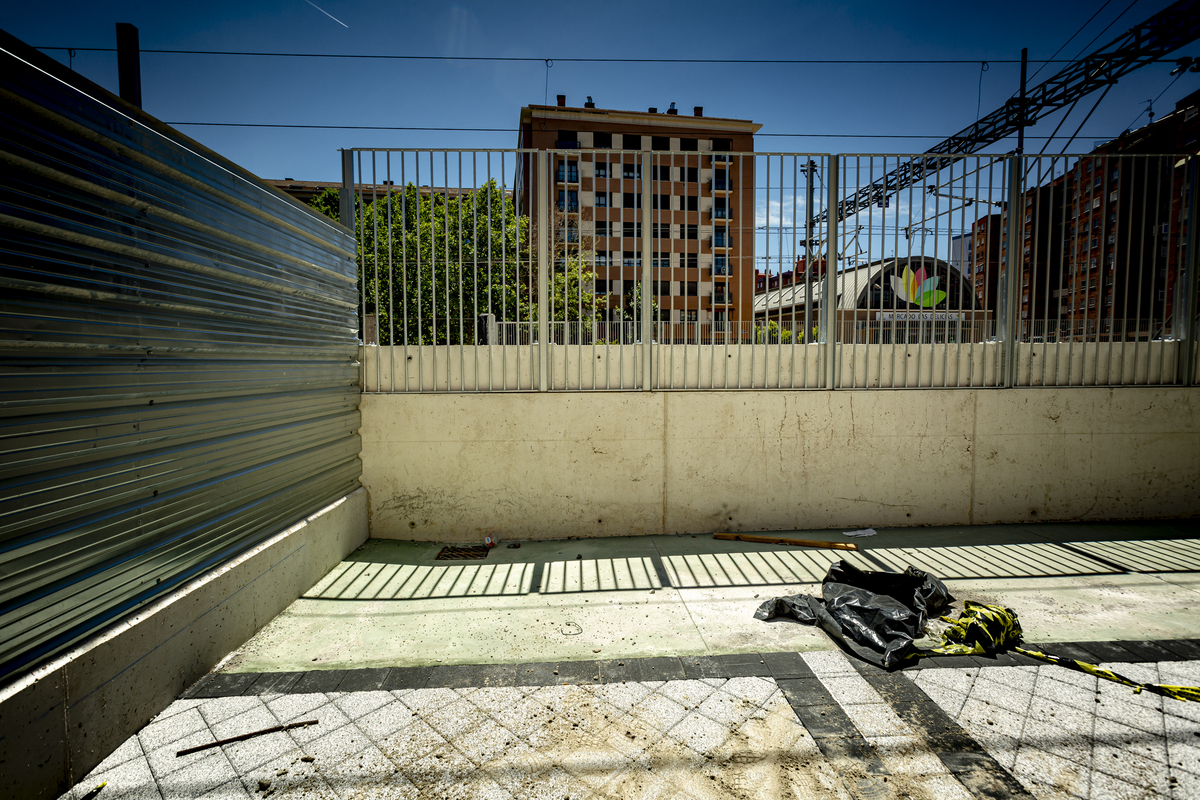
(701, 236)
(1103, 242)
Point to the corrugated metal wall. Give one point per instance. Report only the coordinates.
(178, 359)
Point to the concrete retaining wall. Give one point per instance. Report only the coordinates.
(456, 467)
(61, 720)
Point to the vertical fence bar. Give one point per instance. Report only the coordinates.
(1010, 278)
(646, 277)
(544, 185)
(1185, 305)
(828, 295)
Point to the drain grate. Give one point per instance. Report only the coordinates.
(462, 553)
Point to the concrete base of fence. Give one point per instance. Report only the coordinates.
(63, 719)
(531, 466)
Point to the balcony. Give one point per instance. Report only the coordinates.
(570, 175)
(721, 215)
(719, 185)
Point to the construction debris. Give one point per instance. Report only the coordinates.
(741, 537)
(245, 736)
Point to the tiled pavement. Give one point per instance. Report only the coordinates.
(775, 725)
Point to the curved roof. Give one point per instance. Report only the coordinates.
(850, 286)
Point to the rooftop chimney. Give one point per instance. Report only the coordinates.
(589, 103)
(698, 111)
(562, 101)
(652, 109)
(672, 109)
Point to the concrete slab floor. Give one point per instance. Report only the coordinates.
(390, 603)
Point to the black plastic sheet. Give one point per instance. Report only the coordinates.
(874, 615)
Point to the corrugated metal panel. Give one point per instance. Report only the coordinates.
(178, 359)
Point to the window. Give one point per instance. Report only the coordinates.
(719, 320)
(631, 230)
(631, 141)
(720, 211)
(632, 200)
(601, 199)
(689, 231)
(1112, 196)
(662, 201)
(568, 201)
(570, 233)
(599, 286)
(689, 145)
(662, 230)
(689, 174)
(602, 259)
(1096, 183)
(660, 143)
(568, 172)
(567, 140)
(662, 260)
(720, 265)
(601, 169)
(689, 288)
(660, 172)
(720, 239)
(662, 288)
(631, 171)
(629, 258)
(604, 228)
(690, 202)
(691, 316)
(601, 140)
(690, 260)
(722, 145)
(720, 183)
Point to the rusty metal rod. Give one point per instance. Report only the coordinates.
(741, 537)
(251, 735)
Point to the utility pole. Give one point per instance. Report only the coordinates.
(1021, 105)
(129, 64)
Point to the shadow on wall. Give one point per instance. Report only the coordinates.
(372, 580)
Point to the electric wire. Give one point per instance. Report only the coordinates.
(543, 60)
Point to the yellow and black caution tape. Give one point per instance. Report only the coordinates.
(982, 629)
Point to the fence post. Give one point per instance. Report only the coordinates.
(346, 196)
(544, 186)
(1185, 289)
(647, 287)
(1010, 279)
(827, 336)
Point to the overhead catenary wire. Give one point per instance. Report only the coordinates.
(576, 60)
(515, 130)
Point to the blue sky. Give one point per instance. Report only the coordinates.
(854, 100)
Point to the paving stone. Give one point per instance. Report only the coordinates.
(725, 709)
(385, 720)
(756, 690)
(876, 719)
(357, 704)
(828, 720)
(523, 717)
(399, 678)
(1111, 652)
(662, 669)
(329, 718)
(1150, 651)
(850, 689)
(497, 675)
(424, 702)
(131, 779)
(699, 733)
(482, 741)
(541, 673)
(741, 665)
(805, 692)
(1049, 776)
(294, 707)
(249, 721)
(828, 663)
(319, 681)
(219, 709)
(453, 676)
(576, 673)
(906, 755)
(411, 742)
(687, 693)
(368, 774)
(787, 665)
(703, 667)
(160, 734)
(454, 718)
(363, 680)
(228, 684)
(896, 688)
(197, 778)
(620, 670)
(1185, 648)
(623, 696)
(273, 683)
(659, 712)
(250, 754)
(594, 765)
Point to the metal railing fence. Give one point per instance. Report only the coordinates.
(570, 269)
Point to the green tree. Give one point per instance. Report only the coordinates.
(771, 334)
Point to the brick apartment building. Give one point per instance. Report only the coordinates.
(702, 198)
(1103, 243)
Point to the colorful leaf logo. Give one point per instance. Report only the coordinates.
(918, 289)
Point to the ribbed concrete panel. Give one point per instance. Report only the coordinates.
(178, 360)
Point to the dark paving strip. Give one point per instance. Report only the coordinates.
(834, 732)
(971, 765)
(780, 666)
